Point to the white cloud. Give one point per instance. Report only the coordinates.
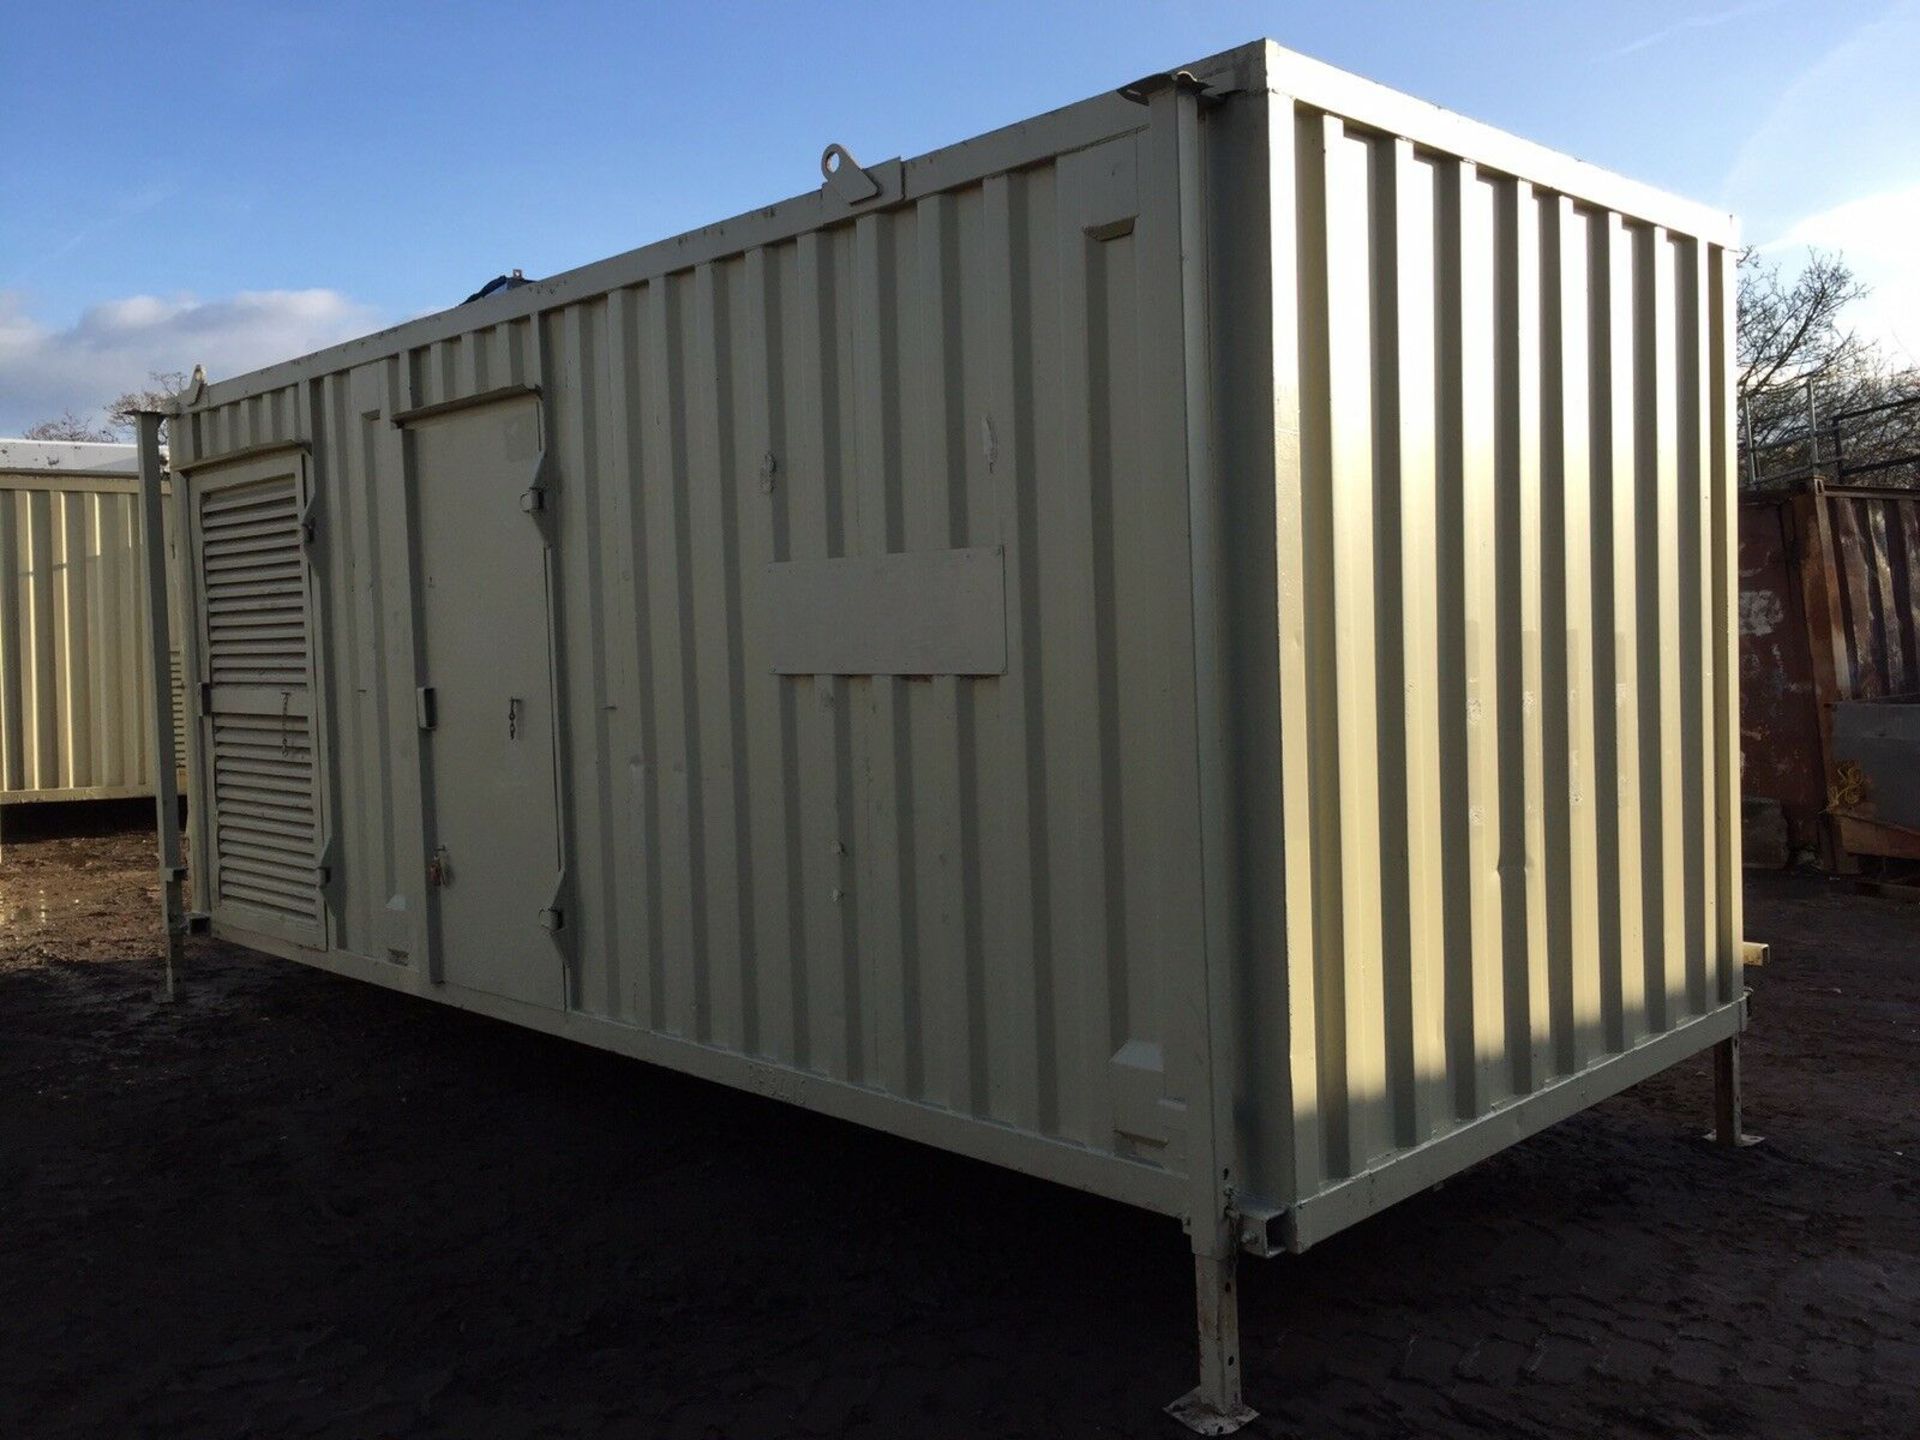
(1876, 235)
(1842, 128)
(1832, 166)
(115, 345)
(1711, 20)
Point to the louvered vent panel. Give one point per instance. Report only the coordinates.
(260, 729)
(256, 592)
(263, 783)
(179, 689)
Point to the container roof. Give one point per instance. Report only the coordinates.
(69, 457)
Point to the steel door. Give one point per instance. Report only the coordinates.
(486, 702)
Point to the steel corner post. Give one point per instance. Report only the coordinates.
(166, 791)
(1176, 227)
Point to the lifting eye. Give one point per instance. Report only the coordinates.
(832, 158)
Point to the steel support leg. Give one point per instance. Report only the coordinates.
(1726, 1096)
(166, 793)
(1214, 1406)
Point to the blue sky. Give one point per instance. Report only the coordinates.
(238, 183)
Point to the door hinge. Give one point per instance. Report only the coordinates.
(309, 522)
(426, 708)
(204, 698)
(553, 919)
(537, 500)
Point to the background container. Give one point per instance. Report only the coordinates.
(1830, 667)
(1184, 646)
(73, 643)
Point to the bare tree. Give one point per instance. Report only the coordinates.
(1805, 374)
(67, 426)
(162, 386)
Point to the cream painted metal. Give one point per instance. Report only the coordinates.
(73, 642)
(1183, 647)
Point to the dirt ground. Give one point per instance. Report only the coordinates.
(293, 1205)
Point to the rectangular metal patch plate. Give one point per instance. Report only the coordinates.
(930, 612)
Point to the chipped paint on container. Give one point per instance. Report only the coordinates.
(73, 679)
(1183, 647)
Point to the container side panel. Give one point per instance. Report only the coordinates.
(38, 571)
(1427, 528)
(1620, 765)
(13, 648)
(1311, 732)
(73, 678)
(880, 751)
(773, 858)
(1694, 326)
(1017, 961)
(1663, 779)
(1369, 745)
(66, 560)
(1489, 1080)
(1724, 583)
(1543, 662)
(938, 509)
(351, 615)
(966, 891)
(102, 732)
(588, 515)
(1580, 561)
(1078, 850)
(829, 1040)
(1297, 329)
(1501, 584)
(630, 635)
(668, 564)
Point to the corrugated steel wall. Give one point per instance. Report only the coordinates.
(1507, 681)
(957, 890)
(1871, 563)
(73, 682)
(1874, 537)
(1830, 607)
(1473, 435)
(1782, 738)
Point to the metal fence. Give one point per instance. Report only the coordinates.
(1841, 447)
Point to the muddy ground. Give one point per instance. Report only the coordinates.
(293, 1205)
